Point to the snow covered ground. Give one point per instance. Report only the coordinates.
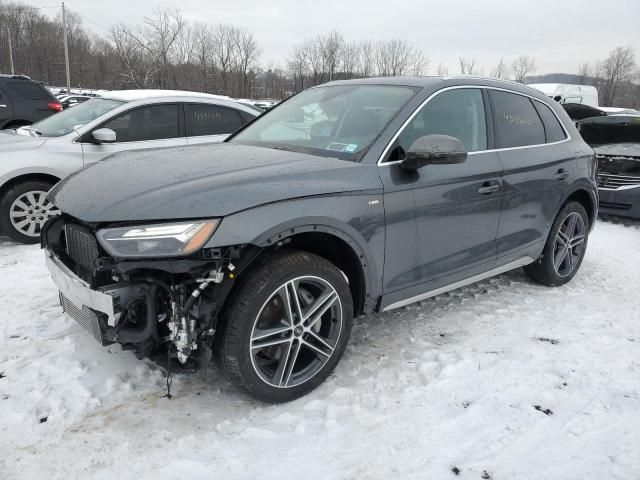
(504, 379)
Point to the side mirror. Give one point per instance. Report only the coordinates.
(434, 150)
(104, 135)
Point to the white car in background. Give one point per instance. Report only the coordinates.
(35, 157)
(569, 93)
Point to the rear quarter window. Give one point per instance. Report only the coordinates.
(30, 90)
(204, 119)
(552, 127)
(516, 121)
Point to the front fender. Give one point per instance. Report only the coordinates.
(357, 219)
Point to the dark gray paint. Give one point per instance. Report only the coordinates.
(414, 231)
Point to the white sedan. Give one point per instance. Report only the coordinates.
(35, 157)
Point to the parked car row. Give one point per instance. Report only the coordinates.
(349, 198)
(34, 157)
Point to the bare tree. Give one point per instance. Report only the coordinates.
(616, 69)
(501, 70)
(248, 53)
(366, 58)
(443, 71)
(419, 63)
(224, 42)
(522, 67)
(330, 48)
(467, 66)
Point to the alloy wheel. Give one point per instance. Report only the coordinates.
(296, 331)
(30, 211)
(569, 244)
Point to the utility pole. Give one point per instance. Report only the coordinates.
(10, 51)
(66, 47)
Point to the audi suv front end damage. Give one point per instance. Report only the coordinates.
(349, 198)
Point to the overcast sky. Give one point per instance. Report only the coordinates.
(560, 34)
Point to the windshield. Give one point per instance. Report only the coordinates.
(337, 121)
(73, 118)
(609, 130)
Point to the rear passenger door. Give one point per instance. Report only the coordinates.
(150, 126)
(211, 123)
(537, 167)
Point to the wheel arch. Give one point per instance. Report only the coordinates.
(587, 199)
(26, 177)
(342, 248)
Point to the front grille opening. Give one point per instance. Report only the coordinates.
(81, 248)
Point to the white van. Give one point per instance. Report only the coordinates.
(568, 93)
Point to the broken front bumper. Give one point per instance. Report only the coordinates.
(95, 310)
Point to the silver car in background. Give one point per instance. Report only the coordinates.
(35, 157)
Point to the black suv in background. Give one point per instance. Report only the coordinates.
(24, 101)
(349, 198)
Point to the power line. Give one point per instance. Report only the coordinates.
(89, 20)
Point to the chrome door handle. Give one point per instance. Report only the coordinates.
(3, 106)
(488, 189)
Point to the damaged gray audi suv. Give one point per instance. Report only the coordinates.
(349, 198)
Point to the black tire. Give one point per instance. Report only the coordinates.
(543, 270)
(232, 348)
(5, 206)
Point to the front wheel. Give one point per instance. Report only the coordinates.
(24, 209)
(287, 327)
(565, 248)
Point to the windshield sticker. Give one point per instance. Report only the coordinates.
(352, 147)
(337, 147)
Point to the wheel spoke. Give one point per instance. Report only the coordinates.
(577, 240)
(286, 300)
(319, 308)
(17, 214)
(324, 354)
(317, 338)
(268, 343)
(282, 363)
(293, 356)
(21, 204)
(32, 228)
(21, 225)
(571, 227)
(295, 301)
(560, 257)
(562, 238)
(31, 198)
(271, 332)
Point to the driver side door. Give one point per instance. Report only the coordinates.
(149, 126)
(441, 220)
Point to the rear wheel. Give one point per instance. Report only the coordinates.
(565, 248)
(24, 209)
(287, 327)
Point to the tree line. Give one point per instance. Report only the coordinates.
(166, 51)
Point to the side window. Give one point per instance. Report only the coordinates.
(516, 122)
(154, 122)
(458, 113)
(552, 126)
(205, 119)
(30, 91)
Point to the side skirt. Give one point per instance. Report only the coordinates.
(521, 262)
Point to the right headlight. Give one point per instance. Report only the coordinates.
(157, 240)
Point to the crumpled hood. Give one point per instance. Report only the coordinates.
(12, 142)
(210, 180)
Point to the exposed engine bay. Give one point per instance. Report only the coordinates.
(154, 307)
